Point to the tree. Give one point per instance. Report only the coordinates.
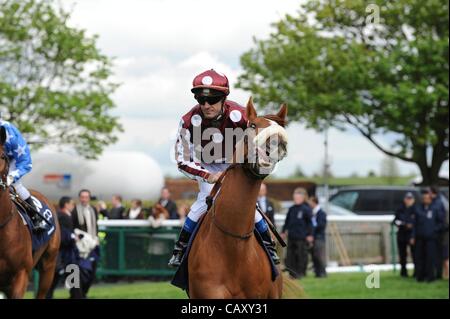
(298, 172)
(341, 63)
(389, 169)
(54, 81)
(371, 173)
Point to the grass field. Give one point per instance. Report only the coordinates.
(336, 286)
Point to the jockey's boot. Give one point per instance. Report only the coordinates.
(271, 246)
(38, 222)
(180, 248)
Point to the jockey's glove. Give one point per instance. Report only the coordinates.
(9, 180)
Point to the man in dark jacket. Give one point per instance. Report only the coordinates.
(429, 221)
(168, 204)
(440, 242)
(299, 230)
(266, 204)
(117, 211)
(319, 222)
(84, 217)
(404, 220)
(68, 252)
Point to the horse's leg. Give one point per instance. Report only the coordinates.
(46, 275)
(18, 285)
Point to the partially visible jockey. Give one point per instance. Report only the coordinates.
(212, 115)
(20, 164)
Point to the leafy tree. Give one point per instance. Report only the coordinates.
(54, 81)
(371, 173)
(378, 66)
(298, 172)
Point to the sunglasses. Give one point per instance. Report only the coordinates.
(210, 99)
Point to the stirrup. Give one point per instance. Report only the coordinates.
(271, 247)
(177, 255)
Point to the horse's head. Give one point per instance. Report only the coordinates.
(3, 160)
(265, 142)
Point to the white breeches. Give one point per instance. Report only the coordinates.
(199, 207)
(20, 189)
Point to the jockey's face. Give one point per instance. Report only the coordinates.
(210, 111)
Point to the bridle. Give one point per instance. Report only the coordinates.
(251, 171)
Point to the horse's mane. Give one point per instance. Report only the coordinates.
(276, 119)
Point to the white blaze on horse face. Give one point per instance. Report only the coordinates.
(275, 135)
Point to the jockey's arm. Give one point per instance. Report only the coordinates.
(184, 151)
(20, 153)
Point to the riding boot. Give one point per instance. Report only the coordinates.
(270, 245)
(180, 248)
(38, 222)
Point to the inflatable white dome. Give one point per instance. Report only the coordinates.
(130, 174)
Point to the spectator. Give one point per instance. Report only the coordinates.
(429, 221)
(265, 204)
(84, 218)
(102, 209)
(404, 219)
(68, 252)
(168, 204)
(136, 211)
(298, 227)
(445, 249)
(117, 211)
(437, 202)
(319, 222)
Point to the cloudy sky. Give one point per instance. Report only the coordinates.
(160, 45)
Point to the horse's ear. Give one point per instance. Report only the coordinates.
(2, 135)
(251, 112)
(283, 111)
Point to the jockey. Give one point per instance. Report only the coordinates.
(18, 153)
(213, 111)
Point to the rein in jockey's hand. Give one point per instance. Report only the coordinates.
(214, 177)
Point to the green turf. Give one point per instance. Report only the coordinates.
(336, 286)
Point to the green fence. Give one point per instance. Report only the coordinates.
(136, 251)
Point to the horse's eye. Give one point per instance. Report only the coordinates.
(253, 125)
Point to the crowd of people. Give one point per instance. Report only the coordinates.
(79, 233)
(137, 211)
(423, 229)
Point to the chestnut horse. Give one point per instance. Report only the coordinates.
(16, 257)
(226, 260)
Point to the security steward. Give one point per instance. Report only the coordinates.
(428, 224)
(404, 220)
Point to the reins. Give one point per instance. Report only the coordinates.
(211, 204)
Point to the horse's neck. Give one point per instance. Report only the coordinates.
(236, 202)
(5, 204)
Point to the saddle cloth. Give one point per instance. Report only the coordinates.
(40, 238)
